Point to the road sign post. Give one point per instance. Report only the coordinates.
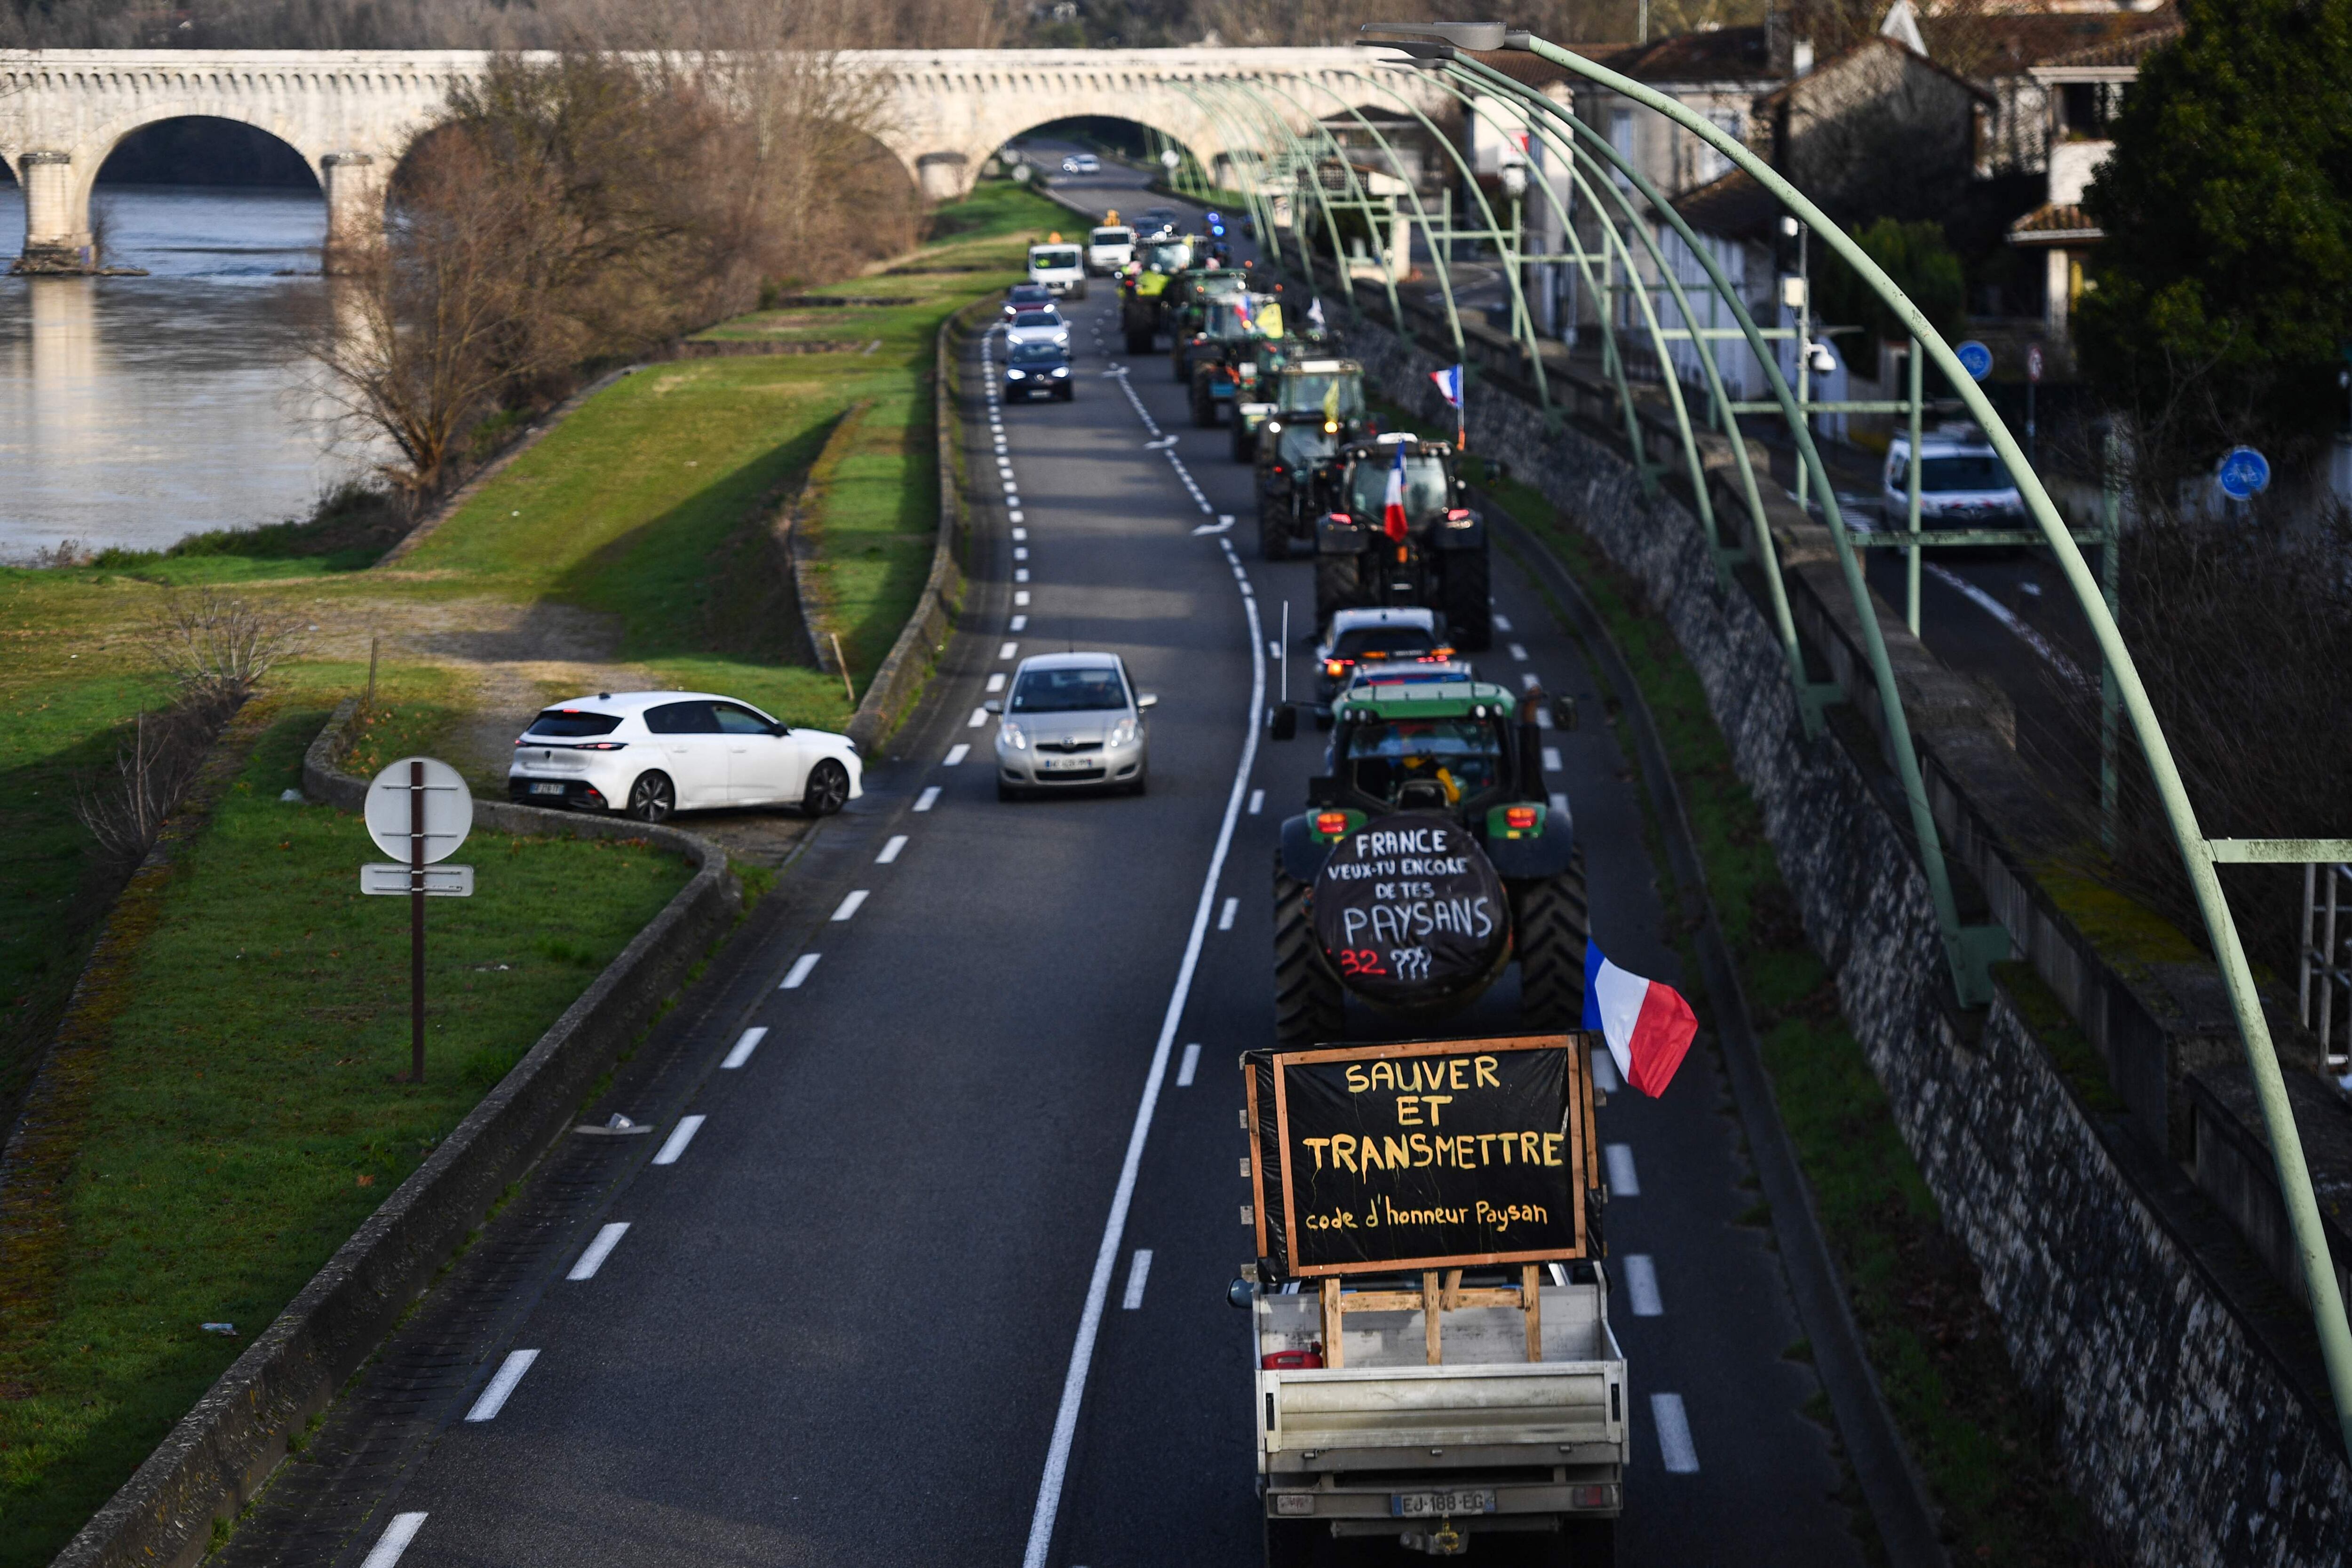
(418, 811)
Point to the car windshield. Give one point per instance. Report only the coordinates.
(1424, 486)
(1085, 689)
(1032, 320)
(1055, 259)
(1462, 756)
(1112, 236)
(1306, 393)
(1369, 642)
(1973, 472)
(1229, 318)
(1036, 354)
(1301, 444)
(571, 724)
(1170, 256)
(1222, 282)
(1028, 294)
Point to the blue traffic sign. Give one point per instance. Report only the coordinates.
(2243, 474)
(1975, 359)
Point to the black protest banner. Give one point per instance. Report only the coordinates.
(1426, 1155)
(1409, 909)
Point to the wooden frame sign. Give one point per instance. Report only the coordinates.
(1441, 1153)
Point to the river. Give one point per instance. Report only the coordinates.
(135, 410)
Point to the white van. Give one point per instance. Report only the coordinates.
(1109, 249)
(1963, 484)
(1059, 268)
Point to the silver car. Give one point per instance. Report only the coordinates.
(1071, 721)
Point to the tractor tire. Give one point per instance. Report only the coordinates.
(1469, 614)
(1549, 929)
(1245, 439)
(1339, 584)
(1307, 1001)
(1273, 530)
(1204, 401)
(1138, 342)
(1180, 363)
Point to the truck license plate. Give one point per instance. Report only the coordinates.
(1440, 1504)
(547, 788)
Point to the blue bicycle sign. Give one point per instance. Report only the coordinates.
(1975, 359)
(2243, 474)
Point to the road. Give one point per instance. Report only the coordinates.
(881, 1295)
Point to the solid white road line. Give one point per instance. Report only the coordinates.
(1190, 1065)
(510, 1372)
(1137, 1272)
(797, 975)
(996, 681)
(394, 1541)
(1226, 915)
(1623, 1181)
(928, 799)
(956, 754)
(1258, 799)
(850, 906)
(890, 851)
(744, 1046)
(979, 716)
(1642, 1286)
(1082, 1351)
(1008, 650)
(607, 1238)
(1673, 1434)
(683, 1134)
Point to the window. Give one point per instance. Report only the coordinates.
(1369, 643)
(682, 718)
(1055, 259)
(1425, 490)
(1306, 393)
(1712, 164)
(1971, 472)
(1089, 688)
(571, 724)
(1621, 137)
(1036, 354)
(1462, 756)
(734, 720)
(1111, 236)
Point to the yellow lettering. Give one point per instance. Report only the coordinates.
(1453, 1073)
(1368, 1155)
(1357, 1081)
(1317, 1144)
(1551, 1142)
(1433, 1102)
(1408, 1110)
(1507, 1140)
(1486, 1078)
(1399, 1157)
(1527, 1147)
(1384, 1075)
(1343, 1151)
(1421, 1155)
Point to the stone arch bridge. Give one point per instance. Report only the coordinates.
(350, 114)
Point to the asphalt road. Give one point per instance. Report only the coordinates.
(881, 1297)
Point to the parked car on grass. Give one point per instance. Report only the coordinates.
(1071, 721)
(652, 754)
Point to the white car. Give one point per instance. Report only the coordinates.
(650, 754)
(1109, 248)
(1963, 484)
(1071, 721)
(1060, 267)
(1037, 324)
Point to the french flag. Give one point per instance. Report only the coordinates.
(1648, 1026)
(1450, 384)
(1392, 518)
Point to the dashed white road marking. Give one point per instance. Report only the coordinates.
(1552, 759)
(1015, 513)
(1020, 574)
(1008, 650)
(1520, 652)
(1226, 915)
(1020, 552)
(1138, 1271)
(996, 681)
(1673, 1434)
(502, 1383)
(1257, 800)
(797, 975)
(394, 1541)
(1502, 621)
(683, 1134)
(1559, 803)
(1623, 1182)
(979, 716)
(891, 850)
(607, 1238)
(1642, 1286)
(1527, 679)
(1019, 624)
(1190, 1064)
(956, 754)
(928, 799)
(850, 904)
(744, 1046)
(1019, 535)
(1021, 597)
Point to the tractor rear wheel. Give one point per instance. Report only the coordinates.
(1138, 342)
(1307, 1001)
(1273, 529)
(1245, 439)
(1204, 401)
(1550, 927)
(1339, 583)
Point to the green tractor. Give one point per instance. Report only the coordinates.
(1317, 412)
(1237, 332)
(1189, 297)
(1431, 856)
(1430, 549)
(1143, 287)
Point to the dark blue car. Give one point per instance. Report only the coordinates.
(1037, 370)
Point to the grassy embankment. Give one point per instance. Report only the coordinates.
(1936, 1346)
(239, 1120)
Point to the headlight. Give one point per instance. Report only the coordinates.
(1061, 337)
(1062, 369)
(1123, 733)
(1016, 375)
(1008, 732)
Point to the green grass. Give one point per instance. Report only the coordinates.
(1933, 1343)
(245, 1120)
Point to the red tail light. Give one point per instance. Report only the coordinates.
(1335, 667)
(1519, 819)
(1290, 1361)
(1457, 515)
(1331, 824)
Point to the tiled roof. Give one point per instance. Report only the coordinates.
(2055, 223)
(2127, 50)
(1880, 40)
(2001, 44)
(1717, 54)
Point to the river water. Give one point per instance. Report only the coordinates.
(135, 410)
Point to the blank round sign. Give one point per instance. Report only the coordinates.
(448, 809)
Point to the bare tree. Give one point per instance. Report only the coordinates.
(218, 647)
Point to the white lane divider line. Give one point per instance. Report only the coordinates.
(1527, 679)
(928, 799)
(744, 1048)
(510, 1372)
(891, 850)
(1137, 1272)
(1015, 513)
(1020, 535)
(394, 1541)
(979, 716)
(1020, 552)
(797, 975)
(2008, 618)
(1190, 1065)
(1642, 1286)
(956, 754)
(1673, 1434)
(1520, 652)
(1552, 759)
(1082, 1350)
(1020, 574)
(1502, 621)
(1021, 596)
(1226, 915)
(1559, 804)
(1543, 718)
(1019, 624)
(996, 681)
(1257, 802)
(607, 1238)
(849, 906)
(683, 1134)
(1622, 1180)
(1008, 650)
